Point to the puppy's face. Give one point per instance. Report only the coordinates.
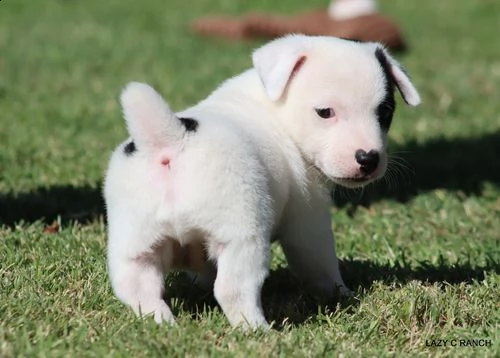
(337, 101)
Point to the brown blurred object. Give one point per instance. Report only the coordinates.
(373, 27)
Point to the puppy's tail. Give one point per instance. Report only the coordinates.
(150, 122)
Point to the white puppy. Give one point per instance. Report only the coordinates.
(248, 165)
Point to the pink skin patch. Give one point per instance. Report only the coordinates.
(166, 162)
(160, 174)
(165, 158)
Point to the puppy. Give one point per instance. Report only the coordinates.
(245, 166)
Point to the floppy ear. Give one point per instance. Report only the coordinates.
(399, 76)
(277, 61)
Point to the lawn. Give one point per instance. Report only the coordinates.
(421, 250)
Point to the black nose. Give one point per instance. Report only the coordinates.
(369, 161)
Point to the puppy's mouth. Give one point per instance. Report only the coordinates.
(349, 182)
(357, 180)
(360, 179)
(354, 182)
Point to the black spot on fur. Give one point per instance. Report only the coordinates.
(190, 124)
(130, 148)
(385, 109)
(352, 40)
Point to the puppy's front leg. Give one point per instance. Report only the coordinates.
(242, 266)
(309, 246)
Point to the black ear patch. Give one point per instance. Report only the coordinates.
(190, 124)
(130, 148)
(385, 110)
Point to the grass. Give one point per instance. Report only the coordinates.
(422, 254)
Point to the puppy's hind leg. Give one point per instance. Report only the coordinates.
(138, 279)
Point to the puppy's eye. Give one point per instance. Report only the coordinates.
(325, 112)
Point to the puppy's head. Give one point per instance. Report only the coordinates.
(336, 99)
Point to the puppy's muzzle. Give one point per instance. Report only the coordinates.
(368, 161)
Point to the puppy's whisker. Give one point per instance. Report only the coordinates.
(400, 162)
(394, 177)
(401, 165)
(398, 172)
(361, 192)
(388, 178)
(397, 159)
(403, 172)
(401, 152)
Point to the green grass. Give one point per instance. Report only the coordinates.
(422, 254)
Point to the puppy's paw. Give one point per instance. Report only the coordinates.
(247, 321)
(158, 309)
(163, 314)
(257, 323)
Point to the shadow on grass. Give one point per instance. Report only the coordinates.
(82, 204)
(287, 302)
(362, 273)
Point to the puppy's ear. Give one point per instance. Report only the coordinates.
(399, 76)
(150, 122)
(277, 61)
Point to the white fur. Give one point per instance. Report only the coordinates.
(253, 171)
